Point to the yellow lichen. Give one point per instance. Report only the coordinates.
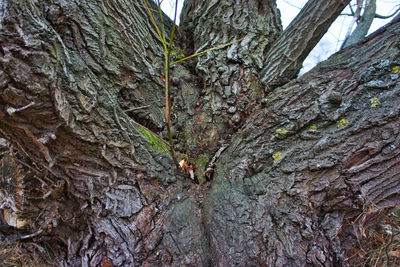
(375, 102)
(277, 156)
(342, 123)
(313, 127)
(395, 69)
(281, 131)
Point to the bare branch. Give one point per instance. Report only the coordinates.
(290, 4)
(356, 17)
(351, 9)
(388, 16)
(285, 58)
(377, 16)
(363, 26)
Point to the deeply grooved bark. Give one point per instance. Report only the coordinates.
(297, 171)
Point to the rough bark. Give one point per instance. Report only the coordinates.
(300, 164)
(229, 78)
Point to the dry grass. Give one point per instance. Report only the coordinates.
(20, 254)
(378, 246)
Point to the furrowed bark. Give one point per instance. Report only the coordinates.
(287, 198)
(230, 85)
(285, 58)
(288, 179)
(68, 71)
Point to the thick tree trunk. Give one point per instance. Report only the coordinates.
(292, 168)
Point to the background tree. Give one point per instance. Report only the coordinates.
(364, 21)
(291, 170)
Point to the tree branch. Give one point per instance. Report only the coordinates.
(388, 16)
(356, 16)
(359, 158)
(377, 16)
(284, 60)
(363, 26)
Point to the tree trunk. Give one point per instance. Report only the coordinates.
(295, 167)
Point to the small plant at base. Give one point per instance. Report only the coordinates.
(168, 53)
(377, 233)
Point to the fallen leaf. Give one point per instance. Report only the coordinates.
(105, 262)
(395, 253)
(363, 232)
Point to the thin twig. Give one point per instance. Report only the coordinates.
(155, 25)
(13, 238)
(388, 16)
(292, 5)
(136, 108)
(206, 51)
(173, 27)
(162, 21)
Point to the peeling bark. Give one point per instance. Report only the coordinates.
(291, 167)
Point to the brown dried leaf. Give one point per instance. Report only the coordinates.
(363, 232)
(395, 253)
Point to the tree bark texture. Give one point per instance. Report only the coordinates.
(293, 167)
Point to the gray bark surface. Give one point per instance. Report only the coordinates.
(291, 168)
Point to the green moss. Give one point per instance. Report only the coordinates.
(201, 162)
(180, 71)
(154, 141)
(277, 156)
(186, 72)
(53, 49)
(256, 89)
(343, 123)
(177, 53)
(374, 102)
(334, 59)
(313, 127)
(182, 139)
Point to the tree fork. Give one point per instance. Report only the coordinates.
(298, 170)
